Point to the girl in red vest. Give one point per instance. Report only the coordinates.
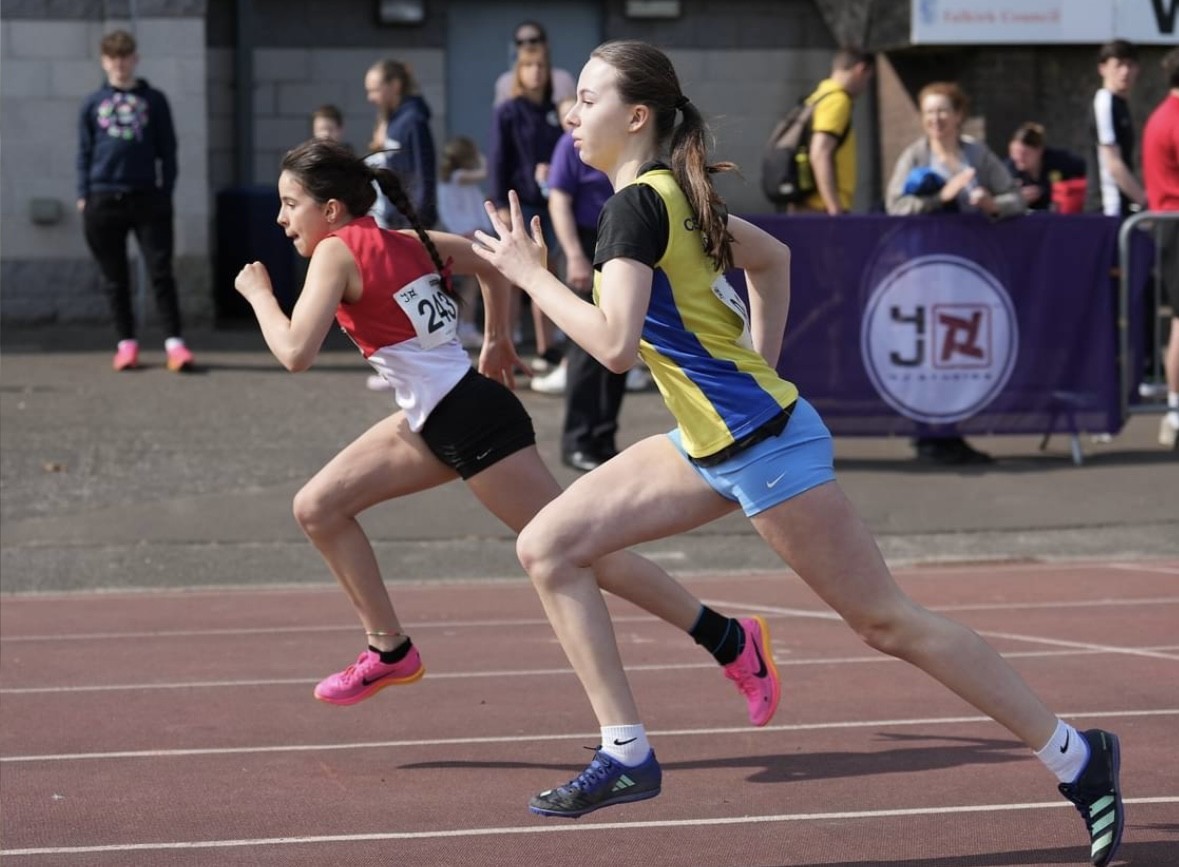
(391, 293)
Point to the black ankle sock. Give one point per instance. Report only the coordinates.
(721, 636)
(389, 657)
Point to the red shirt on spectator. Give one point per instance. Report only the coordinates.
(1160, 155)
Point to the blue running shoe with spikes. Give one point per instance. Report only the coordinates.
(604, 783)
(1098, 796)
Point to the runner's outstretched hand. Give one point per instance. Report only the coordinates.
(516, 253)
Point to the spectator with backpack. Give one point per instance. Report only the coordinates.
(810, 161)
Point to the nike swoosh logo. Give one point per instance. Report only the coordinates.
(619, 743)
(761, 672)
(1067, 735)
(775, 481)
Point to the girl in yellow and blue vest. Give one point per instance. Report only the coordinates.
(743, 439)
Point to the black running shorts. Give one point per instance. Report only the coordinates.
(479, 423)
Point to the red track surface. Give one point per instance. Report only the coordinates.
(179, 728)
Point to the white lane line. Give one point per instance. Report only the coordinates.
(930, 570)
(491, 623)
(1080, 645)
(813, 613)
(1072, 603)
(831, 615)
(568, 829)
(1146, 567)
(515, 738)
(513, 672)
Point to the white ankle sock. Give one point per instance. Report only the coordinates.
(173, 343)
(626, 744)
(1066, 752)
(1173, 408)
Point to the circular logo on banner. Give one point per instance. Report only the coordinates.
(939, 338)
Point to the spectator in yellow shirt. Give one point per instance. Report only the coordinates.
(833, 142)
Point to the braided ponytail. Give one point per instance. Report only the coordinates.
(391, 187)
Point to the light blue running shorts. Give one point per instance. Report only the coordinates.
(772, 471)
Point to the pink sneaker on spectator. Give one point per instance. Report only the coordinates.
(126, 356)
(179, 358)
(368, 675)
(754, 671)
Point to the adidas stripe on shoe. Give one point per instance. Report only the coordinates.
(1097, 796)
(604, 783)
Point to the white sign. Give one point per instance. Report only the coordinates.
(939, 338)
(1018, 22)
(1154, 22)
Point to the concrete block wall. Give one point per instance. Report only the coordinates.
(289, 84)
(49, 66)
(742, 94)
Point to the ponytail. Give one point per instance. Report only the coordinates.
(693, 172)
(391, 186)
(647, 77)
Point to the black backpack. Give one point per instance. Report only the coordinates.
(786, 176)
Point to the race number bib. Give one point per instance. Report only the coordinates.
(729, 297)
(432, 312)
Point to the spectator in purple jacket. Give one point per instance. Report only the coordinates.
(524, 132)
(593, 394)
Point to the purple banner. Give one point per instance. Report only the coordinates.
(909, 325)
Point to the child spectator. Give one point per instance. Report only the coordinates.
(460, 208)
(327, 123)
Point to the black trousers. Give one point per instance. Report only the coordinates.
(593, 395)
(107, 220)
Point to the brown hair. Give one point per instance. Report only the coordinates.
(117, 43)
(328, 112)
(1170, 66)
(1030, 134)
(329, 170)
(391, 70)
(849, 55)
(458, 153)
(530, 54)
(1118, 49)
(951, 91)
(645, 76)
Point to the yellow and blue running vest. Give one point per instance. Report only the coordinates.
(696, 339)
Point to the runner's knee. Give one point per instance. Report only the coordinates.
(545, 556)
(312, 511)
(893, 630)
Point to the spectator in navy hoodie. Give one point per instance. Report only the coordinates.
(524, 132)
(1038, 167)
(403, 130)
(126, 174)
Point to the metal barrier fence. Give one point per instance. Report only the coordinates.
(1134, 397)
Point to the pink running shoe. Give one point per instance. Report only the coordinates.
(179, 359)
(368, 675)
(126, 356)
(754, 671)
